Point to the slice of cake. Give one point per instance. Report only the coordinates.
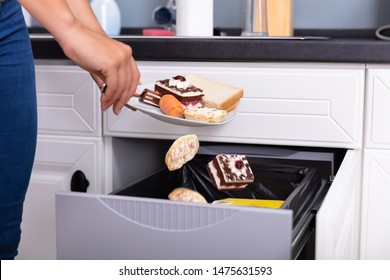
(230, 172)
(182, 89)
(216, 95)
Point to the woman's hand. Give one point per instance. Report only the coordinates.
(109, 61)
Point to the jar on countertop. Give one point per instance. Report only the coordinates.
(108, 15)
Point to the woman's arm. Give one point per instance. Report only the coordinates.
(83, 12)
(74, 26)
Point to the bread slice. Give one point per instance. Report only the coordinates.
(232, 107)
(216, 95)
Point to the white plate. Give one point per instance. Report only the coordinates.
(159, 115)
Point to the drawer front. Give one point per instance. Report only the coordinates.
(154, 228)
(137, 228)
(286, 104)
(68, 101)
(377, 133)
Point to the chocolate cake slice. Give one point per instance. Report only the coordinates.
(230, 172)
(179, 87)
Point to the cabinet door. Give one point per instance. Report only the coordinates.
(68, 101)
(377, 134)
(38, 226)
(283, 104)
(375, 205)
(65, 155)
(338, 220)
(56, 160)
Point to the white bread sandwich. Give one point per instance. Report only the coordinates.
(204, 114)
(216, 95)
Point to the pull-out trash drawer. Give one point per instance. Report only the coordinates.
(139, 222)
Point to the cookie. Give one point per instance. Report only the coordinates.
(181, 151)
(186, 195)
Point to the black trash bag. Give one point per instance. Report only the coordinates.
(296, 185)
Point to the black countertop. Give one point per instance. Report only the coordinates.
(308, 46)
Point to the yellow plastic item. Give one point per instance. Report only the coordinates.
(267, 203)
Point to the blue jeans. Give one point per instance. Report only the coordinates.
(18, 123)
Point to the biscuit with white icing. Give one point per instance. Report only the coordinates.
(205, 114)
(186, 195)
(181, 151)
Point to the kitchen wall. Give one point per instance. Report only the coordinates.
(329, 14)
(339, 14)
(308, 14)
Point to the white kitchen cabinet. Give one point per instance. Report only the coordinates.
(69, 139)
(377, 122)
(318, 105)
(338, 220)
(57, 159)
(376, 178)
(375, 205)
(38, 240)
(152, 227)
(65, 155)
(287, 104)
(68, 101)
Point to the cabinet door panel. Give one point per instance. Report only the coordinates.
(376, 207)
(65, 155)
(377, 105)
(56, 160)
(338, 220)
(38, 240)
(68, 102)
(281, 105)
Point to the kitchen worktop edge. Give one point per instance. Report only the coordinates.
(238, 49)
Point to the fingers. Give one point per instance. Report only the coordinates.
(98, 80)
(131, 86)
(109, 61)
(122, 81)
(115, 87)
